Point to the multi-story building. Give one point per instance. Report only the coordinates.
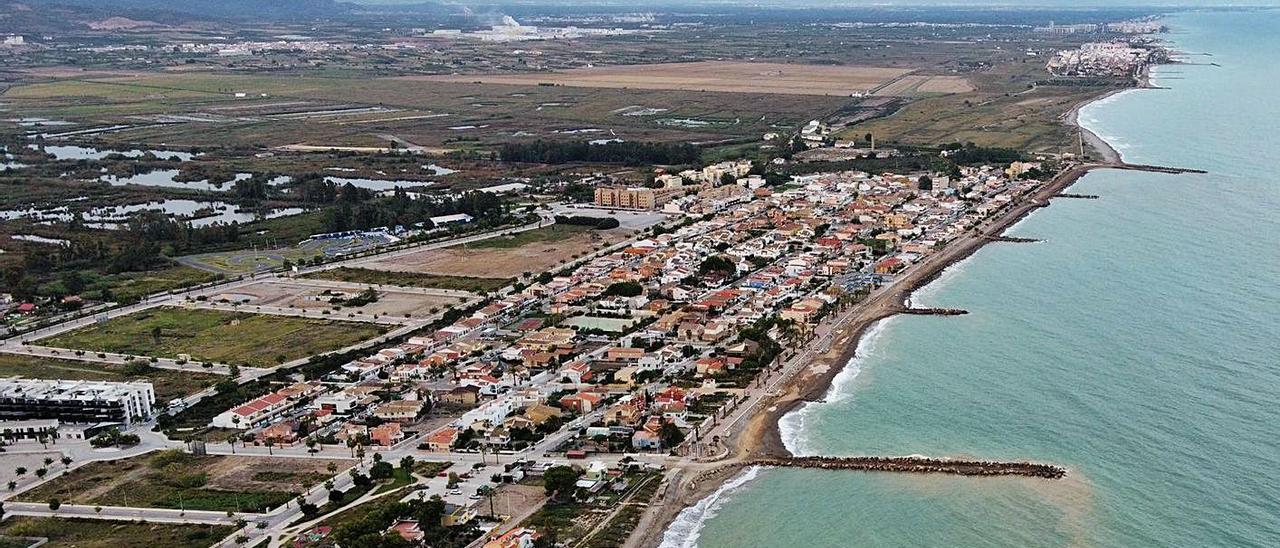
(636, 197)
(77, 402)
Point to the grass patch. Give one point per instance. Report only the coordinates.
(91, 533)
(410, 279)
(172, 479)
(212, 335)
(131, 286)
(168, 384)
(553, 233)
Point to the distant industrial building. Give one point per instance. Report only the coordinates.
(76, 402)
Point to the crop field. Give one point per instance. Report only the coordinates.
(173, 479)
(309, 295)
(722, 76)
(94, 533)
(191, 109)
(168, 384)
(534, 251)
(211, 335)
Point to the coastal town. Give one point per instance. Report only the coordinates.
(617, 366)
(538, 304)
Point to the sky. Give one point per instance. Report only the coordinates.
(870, 3)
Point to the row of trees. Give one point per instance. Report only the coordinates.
(639, 153)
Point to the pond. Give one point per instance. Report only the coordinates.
(75, 152)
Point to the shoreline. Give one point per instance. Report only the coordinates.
(760, 438)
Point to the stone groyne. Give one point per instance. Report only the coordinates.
(935, 311)
(919, 465)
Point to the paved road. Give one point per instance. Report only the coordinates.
(159, 515)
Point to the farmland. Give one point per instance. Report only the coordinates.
(212, 335)
(720, 76)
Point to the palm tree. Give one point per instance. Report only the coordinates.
(232, 440)
(270, 442)
(20, 471)
(66, 461)
(487, 491)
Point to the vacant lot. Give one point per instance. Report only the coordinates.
(173, 479)
(410, 279)
(725, 76)
(313, 296)
(92, 533)
(168, 384)
(211, 335)
(534, 251)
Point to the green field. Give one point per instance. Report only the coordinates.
(168, 384)
(90, 533)
(210, 335)
(410, 279)
(553, 233)
(131, 286)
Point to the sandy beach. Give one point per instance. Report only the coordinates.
(759, 437)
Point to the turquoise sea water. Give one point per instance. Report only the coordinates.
(1138, 344)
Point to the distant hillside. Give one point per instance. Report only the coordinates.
(213, 9)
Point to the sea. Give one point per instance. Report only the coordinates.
(1137, 344)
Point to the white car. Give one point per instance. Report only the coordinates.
(455, 492)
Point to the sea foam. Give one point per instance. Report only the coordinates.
(687, 527)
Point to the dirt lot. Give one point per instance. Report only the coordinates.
(312, 296)
(725, 76)
(172, 479)
(534, 251)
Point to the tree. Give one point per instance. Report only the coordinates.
(487, 491)
(559, 480)
(20, 471)
(54, 504)
(453, 480)
(66, 461)
(671, 435)
(381, 470)
(407, 463)
(270, 442)
(40, 472)
(13, 485)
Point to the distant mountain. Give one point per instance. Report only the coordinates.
(213, 9)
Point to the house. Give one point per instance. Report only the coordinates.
(540, 413)
(280, 433)
(456, 515)
(408, 530)
(519, 537)
(582, 402)
(646, 440)
(387, 434)
(462, 396)
(714, 365)
(441, 440)
(401, 411)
